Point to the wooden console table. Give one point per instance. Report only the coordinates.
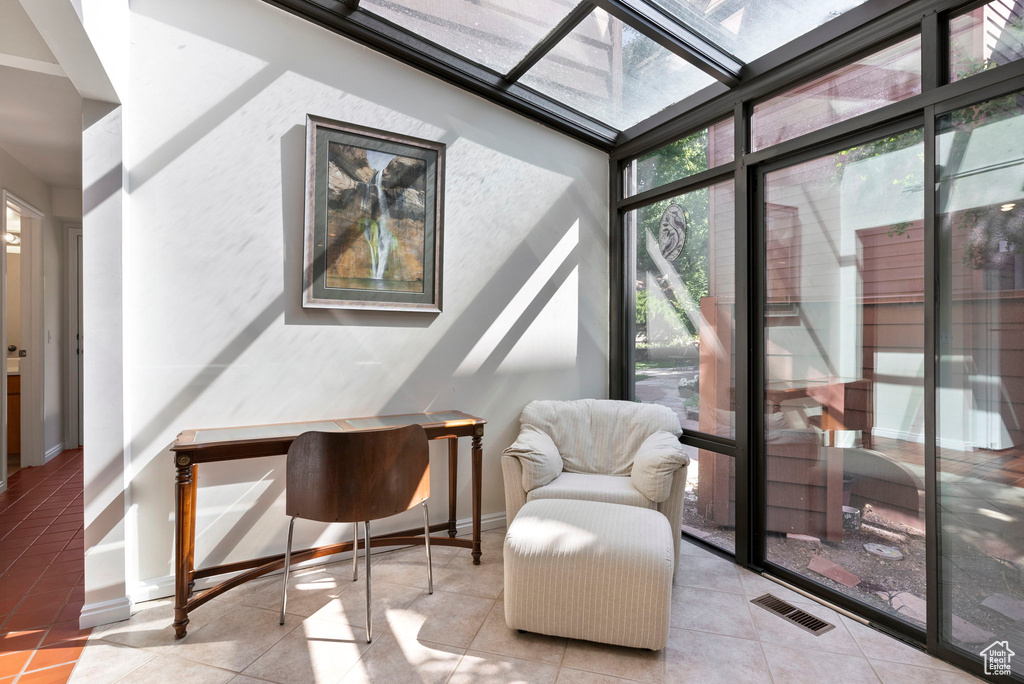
(193, 447)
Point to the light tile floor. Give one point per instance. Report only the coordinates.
(459, 634)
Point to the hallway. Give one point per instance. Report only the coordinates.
(41, 571)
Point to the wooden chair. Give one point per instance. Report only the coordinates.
(353, 477)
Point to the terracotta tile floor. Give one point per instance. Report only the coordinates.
(41, 571)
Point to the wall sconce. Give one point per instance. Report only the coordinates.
(12, 239)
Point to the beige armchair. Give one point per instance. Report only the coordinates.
(598, 443)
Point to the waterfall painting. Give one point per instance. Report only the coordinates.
(373, 219)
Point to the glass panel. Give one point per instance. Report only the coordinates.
(985, 37)
(700, 151)
(749, 29)
(495, 33)
(871, 82)
(980, 400)
(612, 73)
(844, 336)
(685, 313)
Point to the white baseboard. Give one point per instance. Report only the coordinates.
(918, 438)
(162, 587)
(53, 451)
(114, 610)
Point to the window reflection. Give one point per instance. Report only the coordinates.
(844, 385)
(685, 314)
(980, 404)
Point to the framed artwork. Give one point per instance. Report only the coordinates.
(374, 219)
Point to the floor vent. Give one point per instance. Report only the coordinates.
(800, 618)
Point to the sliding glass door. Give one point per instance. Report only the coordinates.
(844, 369)
(980, 382)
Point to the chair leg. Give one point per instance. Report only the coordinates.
(426, 542)
(355, 551)
(366, 539)
(287, 567)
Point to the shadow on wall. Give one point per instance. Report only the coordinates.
(543, 263)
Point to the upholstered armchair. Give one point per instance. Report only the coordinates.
(598, 450)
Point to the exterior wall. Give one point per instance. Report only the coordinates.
(214, 333)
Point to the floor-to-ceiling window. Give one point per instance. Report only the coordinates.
(844, 371)
(684, 295)
(980, 398)
(844, 345)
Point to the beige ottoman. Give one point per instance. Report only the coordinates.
(589, 570)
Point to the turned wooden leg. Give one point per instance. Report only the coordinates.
(478, 457)
(453, 482)
(192, 533)
(184, 522)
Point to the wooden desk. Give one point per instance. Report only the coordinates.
(193, 447)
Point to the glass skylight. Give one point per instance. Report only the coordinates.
(604, 68)
(749, 29)
(495, 33)
(610, 72)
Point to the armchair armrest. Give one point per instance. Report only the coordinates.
(538, 457)
(515, 495)
(672, 508)
(657, 459)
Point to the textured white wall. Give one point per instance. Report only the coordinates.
(214, 330)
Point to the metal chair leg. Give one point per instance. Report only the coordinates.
(355, 551)
(287, 567)
(366, 539)
(426, 542)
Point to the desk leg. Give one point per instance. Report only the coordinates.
(184, 529)
(478, 457)
(192, 532)
(453, 482)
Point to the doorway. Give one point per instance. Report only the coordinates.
(843, 375)
(21, 319)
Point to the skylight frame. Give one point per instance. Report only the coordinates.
(644, 16)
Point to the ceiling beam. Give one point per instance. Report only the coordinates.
(674, 36)
(561, 30)
(36, 65)
(60, 25)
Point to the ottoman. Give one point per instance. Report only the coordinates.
(590, 570)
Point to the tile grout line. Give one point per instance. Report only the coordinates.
(760, 641)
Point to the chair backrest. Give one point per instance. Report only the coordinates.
(599, 435)
(357, 476)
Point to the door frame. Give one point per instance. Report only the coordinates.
(32, 372)
(73, 348)
(758, 379)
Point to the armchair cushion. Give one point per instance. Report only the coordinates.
(538, 455)
(656, 461)
(589, 487)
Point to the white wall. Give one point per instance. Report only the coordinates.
(26, 186)
(214, 332)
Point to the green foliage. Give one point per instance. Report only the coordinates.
(691, 265)
(679, 159)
